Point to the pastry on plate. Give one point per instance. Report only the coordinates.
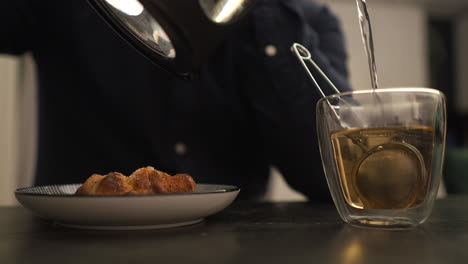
(145, 180)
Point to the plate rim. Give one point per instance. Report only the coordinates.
(229, 188)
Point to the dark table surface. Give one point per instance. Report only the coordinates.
(243, 233)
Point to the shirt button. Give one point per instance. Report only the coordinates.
(180, 148)
(270, 50)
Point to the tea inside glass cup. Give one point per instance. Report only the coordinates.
(384, 168)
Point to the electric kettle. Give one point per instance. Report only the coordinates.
(176, 35)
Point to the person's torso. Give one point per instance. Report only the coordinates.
(104, 107)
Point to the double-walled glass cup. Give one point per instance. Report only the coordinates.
(382, 152)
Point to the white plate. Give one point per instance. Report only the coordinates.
(58, 203)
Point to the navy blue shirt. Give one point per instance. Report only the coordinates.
(103, 107)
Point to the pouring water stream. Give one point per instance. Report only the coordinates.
(368, 40)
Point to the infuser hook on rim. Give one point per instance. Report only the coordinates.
(304, 55)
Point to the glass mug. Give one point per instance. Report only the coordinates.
(382, 151)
